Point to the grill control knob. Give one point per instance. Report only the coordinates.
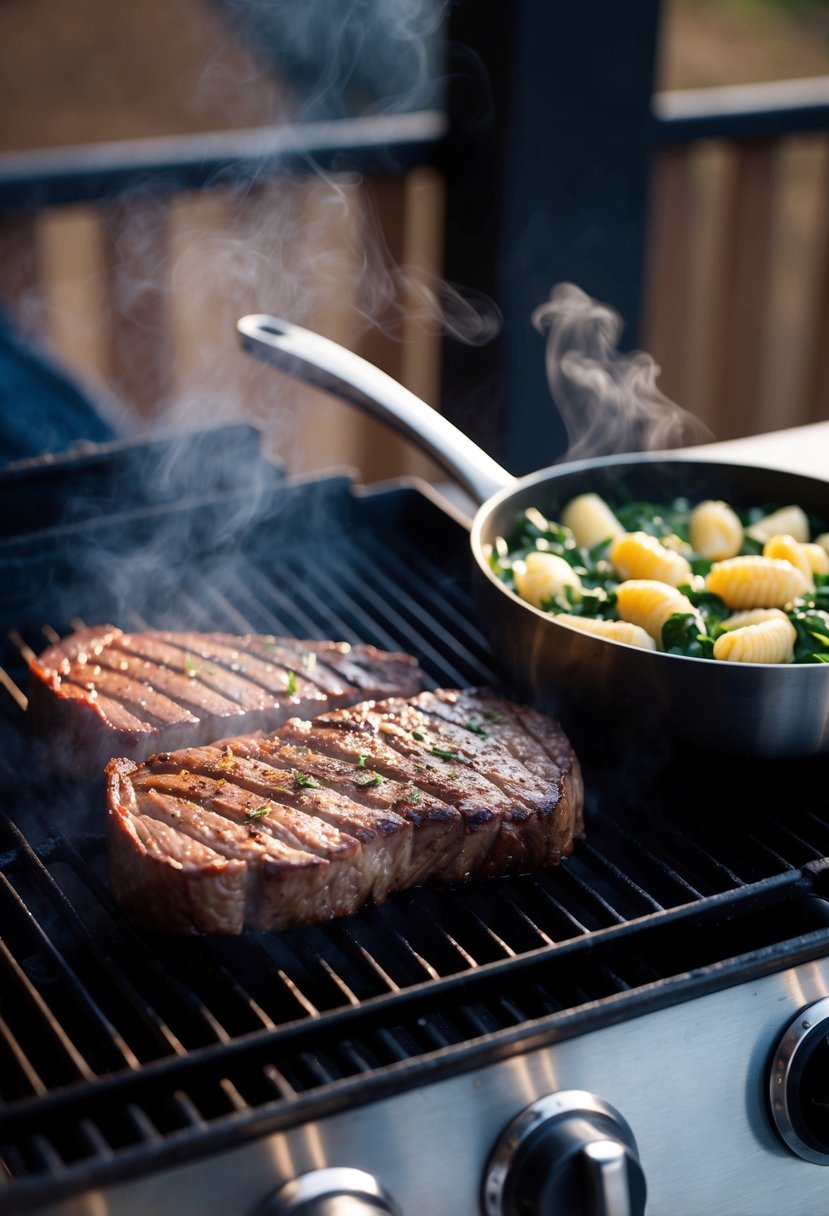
(799, 1083)
(330, 1192)
(568, 1152)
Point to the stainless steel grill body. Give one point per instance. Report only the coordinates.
(688, 1079)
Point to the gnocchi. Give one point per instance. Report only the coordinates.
(545, 576)
(790, 550)
(617, 631)
(761, 636)
(591, 520)
(791, 521)
(638, 555)
(715, 530)
(756, 582)
(649, 604)
(702, 580)
(817, 556)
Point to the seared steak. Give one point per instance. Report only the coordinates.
(101, 692)
(311, 820)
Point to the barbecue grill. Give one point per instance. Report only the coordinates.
(650, 1015)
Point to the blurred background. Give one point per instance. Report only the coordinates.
(387, 173)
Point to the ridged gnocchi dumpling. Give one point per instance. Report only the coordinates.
(756, 582)
(591, 520)
(541, 577)
(817, 556)
(790, 550)
(638, 555)
(761, 635)
(649, 604)
(789, 521)
(615, 631)
(715, 530)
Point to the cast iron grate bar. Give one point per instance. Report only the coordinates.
(112, 970)
(409, 1011)
(413, 975)
(626, 857)
(143, 1127)
(19, 1075)
(601, 874)
(256, 605)
(46, 966)
(816, 839)
(38, 1028)
(719, 858)
(386, 601)
(547, 916)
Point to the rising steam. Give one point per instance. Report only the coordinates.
(608, 401)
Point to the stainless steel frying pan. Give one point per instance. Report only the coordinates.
(760, 710)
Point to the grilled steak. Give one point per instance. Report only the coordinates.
(101, 692)
(309, 821)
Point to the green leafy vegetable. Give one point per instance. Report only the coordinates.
(684, 633)
(477, 729)
(443, 754)
(374, 779)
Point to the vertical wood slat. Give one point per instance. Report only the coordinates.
(382, 453)
(668, 271)
(743, 302)
(817, 372)
(21, 285)
(136, 302)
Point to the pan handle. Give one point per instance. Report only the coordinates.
(327, 365)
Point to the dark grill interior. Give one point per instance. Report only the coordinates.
(120, 1050)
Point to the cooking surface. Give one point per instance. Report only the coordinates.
(120, 1050)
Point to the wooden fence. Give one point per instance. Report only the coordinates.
(737, 276)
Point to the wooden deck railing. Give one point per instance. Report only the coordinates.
(133, 262)
(737, 276)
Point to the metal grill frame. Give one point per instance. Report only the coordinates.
(728, 916)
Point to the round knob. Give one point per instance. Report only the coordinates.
(330, 1192)
(570, 1152)
(799, 1083)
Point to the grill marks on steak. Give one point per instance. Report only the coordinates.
(509, 810)
(354, 805)
(306, 818)
(102, 692)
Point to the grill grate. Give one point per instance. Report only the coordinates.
(119, 1049)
